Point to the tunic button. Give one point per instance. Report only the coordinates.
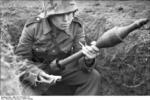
(37, 19)
(37, 49)
(53, 51)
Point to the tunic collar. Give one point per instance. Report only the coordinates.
(46, 26)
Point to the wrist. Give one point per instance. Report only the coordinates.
(89, 62)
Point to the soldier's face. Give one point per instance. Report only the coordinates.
(62, 21)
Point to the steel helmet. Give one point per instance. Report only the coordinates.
(55, 7)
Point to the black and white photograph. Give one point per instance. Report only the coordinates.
(74, 48)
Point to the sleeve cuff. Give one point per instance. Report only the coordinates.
(89, 62)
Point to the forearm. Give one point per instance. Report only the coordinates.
(28, 69)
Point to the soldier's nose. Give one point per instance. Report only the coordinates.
(65, 17)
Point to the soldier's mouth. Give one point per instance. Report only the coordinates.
(64, 25)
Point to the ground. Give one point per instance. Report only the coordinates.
(124, 68)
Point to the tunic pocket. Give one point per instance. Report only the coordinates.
(39, 53)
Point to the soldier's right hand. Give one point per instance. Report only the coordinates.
(47, 79)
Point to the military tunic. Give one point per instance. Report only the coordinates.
(41, 42)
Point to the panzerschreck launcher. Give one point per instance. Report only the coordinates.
(110, 38)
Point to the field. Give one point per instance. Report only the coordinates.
(124, 68)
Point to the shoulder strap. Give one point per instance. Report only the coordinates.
(77, 20)
(32, 21)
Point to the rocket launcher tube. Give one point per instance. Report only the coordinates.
(110, 38)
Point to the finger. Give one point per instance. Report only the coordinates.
(91, 50)
(45, 80)
(41, 80)
(93, 43)
(88, 53)
(57, 78)
(87, 49)
(53, 79)
(81, 44)
(50, 82)
(44, 75)
(95, 48)
(48, 79)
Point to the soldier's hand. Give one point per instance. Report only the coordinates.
(48, 79)
(141, 22)
(90, 51)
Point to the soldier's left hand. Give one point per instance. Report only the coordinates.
(90, 51)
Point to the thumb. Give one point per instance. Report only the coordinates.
(42, 80)
(57, 78)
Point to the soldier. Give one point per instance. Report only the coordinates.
(53, 35)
